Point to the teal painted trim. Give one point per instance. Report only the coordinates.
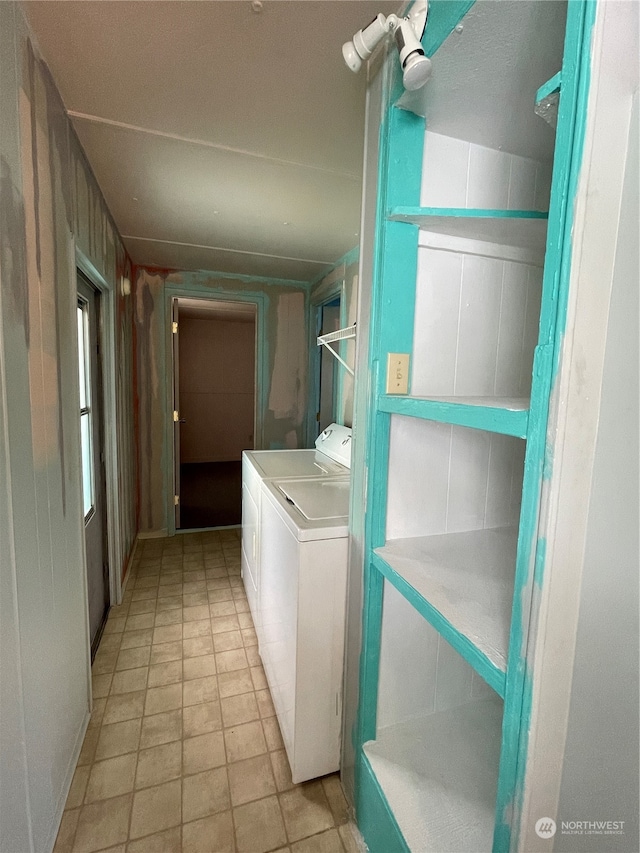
(489, 418)
(342, 350)
(399, 171)
(549, 87)
(314, 313)
(375, 818)
(350, 257)
(541, 557)
(442, 20)
(494, 677)
(521, 610)
(404, 170)
(579, 129)
(570, 135)
(419, 215)
(370, 663)
(189, 278)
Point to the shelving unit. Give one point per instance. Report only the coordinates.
(468, 282)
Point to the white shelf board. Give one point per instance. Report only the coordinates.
(467, 245)
(439, 776)
(505, 228)
(467, 577)
(510, 404)
(338, 335)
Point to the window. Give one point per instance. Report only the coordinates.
(86, 414)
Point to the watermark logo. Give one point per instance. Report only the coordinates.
(546, 827)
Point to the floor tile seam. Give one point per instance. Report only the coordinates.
(286, 834)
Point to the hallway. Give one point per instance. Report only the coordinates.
(183, 751)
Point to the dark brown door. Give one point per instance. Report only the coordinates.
(92, 444)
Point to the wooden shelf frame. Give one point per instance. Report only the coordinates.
(412, 765)
(508, 235)
(462, 584)
(504, 415)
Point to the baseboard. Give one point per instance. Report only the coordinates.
(153, 534)
(127, 574)
(62, 799)
(185, 530)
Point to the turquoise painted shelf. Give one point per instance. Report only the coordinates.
(441, 766)
(521, 228)
(462, 584)
(508, 416)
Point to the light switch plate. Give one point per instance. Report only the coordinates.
(398, 373)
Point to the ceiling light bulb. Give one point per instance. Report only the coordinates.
(366, 40)
(416, 68)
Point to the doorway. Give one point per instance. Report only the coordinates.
(214, 408)
(327, 380)
(92, 453)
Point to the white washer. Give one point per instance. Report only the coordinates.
(332, 458)
(301, 605)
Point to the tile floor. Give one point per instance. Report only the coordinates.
(183, 753)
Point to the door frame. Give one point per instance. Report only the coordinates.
(337, 289)
(107, 332)
(260, 300)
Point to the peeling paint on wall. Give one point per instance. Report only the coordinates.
(288, 382)
(282, 406)
(48, 199)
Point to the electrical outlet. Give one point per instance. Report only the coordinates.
(398, 373)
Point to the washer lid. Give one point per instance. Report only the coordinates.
(318, 499)
(293, 463)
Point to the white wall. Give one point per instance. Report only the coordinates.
(457, 173)
(361, 402)
(48, 201)
(603, 727)
(583, 743)
(446, 479)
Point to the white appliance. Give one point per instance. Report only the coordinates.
(301, 606)
(332, 458)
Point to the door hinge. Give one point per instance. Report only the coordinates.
(176, 416)
(174, 328)
(176, 500)
(318, 417)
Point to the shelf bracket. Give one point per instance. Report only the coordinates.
(340, 335)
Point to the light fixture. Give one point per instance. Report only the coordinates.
(416, 67)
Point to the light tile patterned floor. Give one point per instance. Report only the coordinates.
(183, 753)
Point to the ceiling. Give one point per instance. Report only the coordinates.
(217, 309)
(222, 138)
